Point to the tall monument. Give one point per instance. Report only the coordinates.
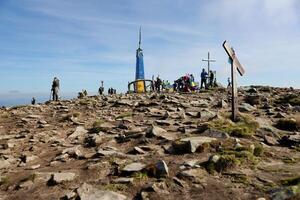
(139, 73)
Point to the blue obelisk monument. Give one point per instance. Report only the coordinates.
(139, 73)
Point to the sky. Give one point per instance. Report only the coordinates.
(84, 42)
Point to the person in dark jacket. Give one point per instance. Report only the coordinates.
(55, 89)
(203, 78)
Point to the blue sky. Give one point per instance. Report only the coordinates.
(84, 42)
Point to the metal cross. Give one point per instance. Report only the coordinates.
(208, 60)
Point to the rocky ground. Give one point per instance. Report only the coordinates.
(154, 146)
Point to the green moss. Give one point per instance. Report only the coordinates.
(224, 163)
(258, 150)
(291, 181)
(141, 176)
(4, 180)
(293, 99)
(245, 127)
(125, 114)
(287, 124)
(96, 127)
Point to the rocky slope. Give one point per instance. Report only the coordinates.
(154, 146)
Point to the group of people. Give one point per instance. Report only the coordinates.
(112, 91)
(210, 77)
(185, 84)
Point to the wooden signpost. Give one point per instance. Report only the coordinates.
(235, 65)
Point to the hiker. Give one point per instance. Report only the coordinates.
(211, 78)
(229, 82)
(55, 89)
(109, 91)
(101, 89)
(33, 101)
(158, 84)
(203, 78)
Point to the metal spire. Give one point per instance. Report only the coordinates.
(140, 37)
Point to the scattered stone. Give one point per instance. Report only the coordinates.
(88, 192)
(245, 107)
(270, 140)
(4, 164)
(192, 174)
(58, 178)
(79, 132)
(123, 180)
(162, 169)
(134, 167)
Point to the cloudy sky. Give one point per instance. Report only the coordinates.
(84, 42)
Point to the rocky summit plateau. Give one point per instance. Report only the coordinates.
(154, 146)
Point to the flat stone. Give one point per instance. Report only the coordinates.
(123, 180)
(195, 142)
(245, 107)
(79, 131)
(215, 134)
(88, 192)
(192, 174)
(62, 177)
(134, 167)
(156, 131)
(270, 140)
(4, 164)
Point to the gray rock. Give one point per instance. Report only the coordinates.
(245, 107)
(192, 174)
(4, 164)
(57, 178)
(162, 169)
(134, 167)
(156, 131)
(195, 142)
(123, 180)
(74, 152)
(88, 192)
(270, 140)
(79, 132)
(215, 134)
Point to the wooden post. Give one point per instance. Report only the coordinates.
(234, 97)
(235, 66)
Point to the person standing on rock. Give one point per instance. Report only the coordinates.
(203, 78)
(33, 101)
(101, 89)
(55, 89)
(211, 78)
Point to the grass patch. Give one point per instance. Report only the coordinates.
(258, 150)
(4, 180)
(224, 163)
(96, 127)
(124, 115)
(291, 181)
(4, 115)
(245, 127)
(287, 124)
(293, 99)
(31, 177)
(141, 176)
